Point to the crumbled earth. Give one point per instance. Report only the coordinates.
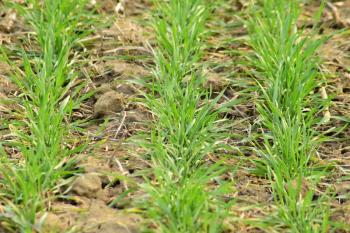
(120, 56)
(87, 185)
(109, 103)
(89, 216)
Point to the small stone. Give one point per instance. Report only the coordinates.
(109, 103)
(87, 185)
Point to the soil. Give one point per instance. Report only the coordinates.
(105, 197)
(108, 103)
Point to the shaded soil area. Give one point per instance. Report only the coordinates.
(105, 196)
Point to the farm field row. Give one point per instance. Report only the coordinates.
(172, 116)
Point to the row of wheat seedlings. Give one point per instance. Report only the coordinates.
(46, 77)
(287, 72)
(187, 126)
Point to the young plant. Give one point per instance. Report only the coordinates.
(287, 72)
(187, 126)
(47, 101)
(296, 205)
(189, 205)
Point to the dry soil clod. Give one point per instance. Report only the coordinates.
(53, 223)
(101, 90)
(127, 70)
(88, 185)
(108, 104)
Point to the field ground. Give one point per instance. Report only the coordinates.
(108, 187)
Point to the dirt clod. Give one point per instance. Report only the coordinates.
(126, 89)
(88, 185)
(127, 70)
(53, 223)
(104, 88)
(103, 219)
(92, 164)
(136, 117)
(216, 82)
(109, 103)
